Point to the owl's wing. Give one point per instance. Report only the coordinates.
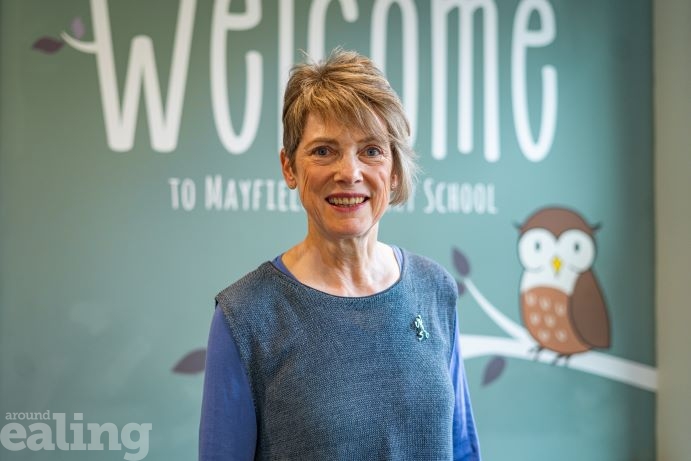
(589, 312)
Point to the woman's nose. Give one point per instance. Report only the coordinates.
(348, 169)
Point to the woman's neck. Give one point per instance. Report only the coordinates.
(343, 268)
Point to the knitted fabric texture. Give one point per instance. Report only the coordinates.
(341, 378)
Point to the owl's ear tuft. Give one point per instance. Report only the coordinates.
(517, 225)
(596, 227)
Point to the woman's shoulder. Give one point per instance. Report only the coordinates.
(248, 287)
(419, 262)
(424, 269)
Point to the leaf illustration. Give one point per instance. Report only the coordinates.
(460, 262)
(461, 287)
(493, 370)
(77, 27)
(192, 363)
(48, 45)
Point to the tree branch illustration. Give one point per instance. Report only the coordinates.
(84, 47)
(519, 345)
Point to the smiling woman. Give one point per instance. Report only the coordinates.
(342, 347)
(345, 178)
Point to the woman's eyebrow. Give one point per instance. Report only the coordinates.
(334, 142)
(372, 139)
(322, 140)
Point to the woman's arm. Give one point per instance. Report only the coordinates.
(228, 426)
(465, 441)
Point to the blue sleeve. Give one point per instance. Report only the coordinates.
(466, 446)
(228, 426)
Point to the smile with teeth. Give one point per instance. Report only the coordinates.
(346, 201)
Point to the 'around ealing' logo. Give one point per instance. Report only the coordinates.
(14, 436)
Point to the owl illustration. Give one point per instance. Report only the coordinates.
(562, 305)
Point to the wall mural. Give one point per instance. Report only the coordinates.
(139, 176)
(563, 308)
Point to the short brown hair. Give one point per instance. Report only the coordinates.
(348, 86)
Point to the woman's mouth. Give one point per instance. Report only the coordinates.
(346, 201)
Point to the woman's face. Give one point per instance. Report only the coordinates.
(344, 177)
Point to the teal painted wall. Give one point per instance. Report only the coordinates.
(116, 230)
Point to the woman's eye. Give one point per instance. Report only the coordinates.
(321, 151)
(372, 151)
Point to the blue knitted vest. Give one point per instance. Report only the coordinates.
(339, 378)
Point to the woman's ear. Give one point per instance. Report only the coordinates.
(394, 181)
(287, 170)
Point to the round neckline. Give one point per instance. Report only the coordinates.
(288, 276)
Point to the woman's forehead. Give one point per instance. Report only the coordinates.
(370, 127)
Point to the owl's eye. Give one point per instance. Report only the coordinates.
(535, 248)
(577, 249)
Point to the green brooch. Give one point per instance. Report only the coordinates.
(420, 331)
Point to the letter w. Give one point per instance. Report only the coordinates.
(164, 124)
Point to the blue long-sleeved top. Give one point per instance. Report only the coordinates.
(228, 429)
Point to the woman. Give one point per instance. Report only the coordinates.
(343, 347)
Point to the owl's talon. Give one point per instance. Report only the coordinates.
(566, 358)
(536, 350)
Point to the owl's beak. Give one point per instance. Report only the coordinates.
(556, 264)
